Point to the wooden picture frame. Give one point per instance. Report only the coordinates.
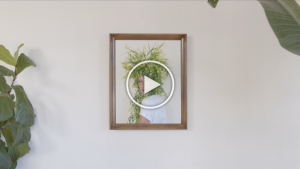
(112, 81)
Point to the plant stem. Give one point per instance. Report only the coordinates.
(15, 77)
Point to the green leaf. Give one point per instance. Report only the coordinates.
(26, 135)
(213, 3)
(7, 133)
(6, 107)
(284, 18)
(6, 57)
(13, 165)
(5, 160)
(21, 135)
(4, 87)
(17, 132)
(23, 62)
(2, 124)
(2, 143)
(24, 110)
(11, 96)
(14, 134)
(17, 52)
(18, 151)
(5, 72)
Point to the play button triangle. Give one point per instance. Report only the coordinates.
(149, 84)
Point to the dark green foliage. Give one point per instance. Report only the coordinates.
(20, 134)
(4, 88)
(13, 165)
(5, 72)
(6, 107)
(15, 117)
(24, 110)
(213, 3)
(18, 151)
(5, 160)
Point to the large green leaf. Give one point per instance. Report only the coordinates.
(2, 124)
(17, 132)
(284, 18)
(4, 87)
(12, 96)
(5, 160)
(2, 143)
(6, 107)
(9, 138)
(17, 52)
(26, 135)
(23, 62)
(21, 135)
(13, 165)
(6, 57)
(213, 3)
(14, 134)
(18, 151)
(24, 110)
(5, 72)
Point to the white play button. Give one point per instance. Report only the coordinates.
(146, 84)
(149, 84)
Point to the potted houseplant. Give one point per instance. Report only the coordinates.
(16, 111)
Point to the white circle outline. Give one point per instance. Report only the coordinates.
(147, 107)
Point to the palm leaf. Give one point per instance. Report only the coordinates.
(284, 18)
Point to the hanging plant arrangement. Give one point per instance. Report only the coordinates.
(154, 71)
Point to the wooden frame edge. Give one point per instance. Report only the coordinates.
(112, 87)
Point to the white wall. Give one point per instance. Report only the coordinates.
(243, 88)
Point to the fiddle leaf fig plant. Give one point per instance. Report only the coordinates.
(16, 112)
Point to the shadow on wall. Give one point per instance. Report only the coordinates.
(49, 122)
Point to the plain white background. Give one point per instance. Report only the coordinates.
(172, 49)
(243, 88)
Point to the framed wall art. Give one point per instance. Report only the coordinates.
(147, 81)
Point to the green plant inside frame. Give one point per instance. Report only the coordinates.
(154, 71)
